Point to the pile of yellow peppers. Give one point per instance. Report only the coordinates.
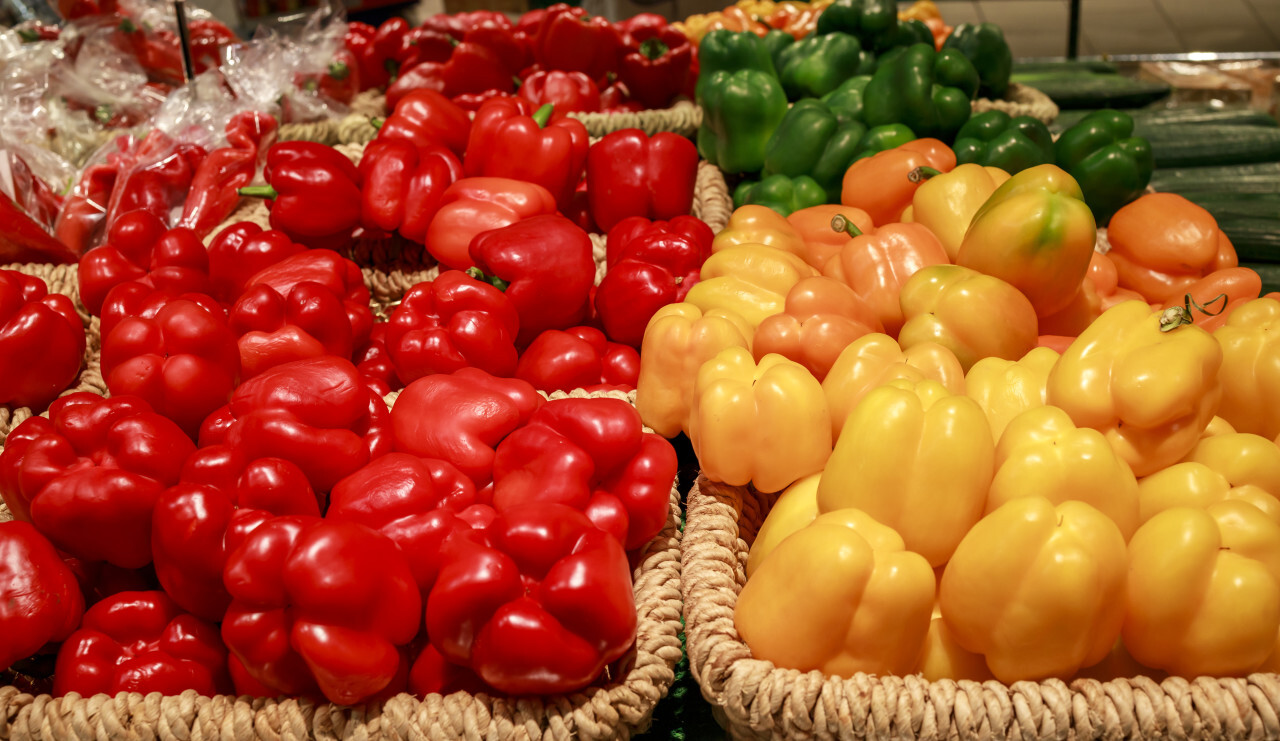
(757, 16)
(1000, 453)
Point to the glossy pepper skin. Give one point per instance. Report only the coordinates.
(878, 263)
(817, 140)
(215, 187)
(1007, 388)
(1036, 233)
(1037, 589)
(996, 139)
(781, 193)
(794, 509)
(1112, 165)
(972, 314)
(1203, 596)
(545, 263)
(88, 474)
(817, 65)
(453, 322)
(868, 20)
(569, 92)
(1243, 459)
(40, 602)
(509, 140)
(568, 39)
(985, 46)
(821, 317)
(723, 50)
(578, 358)
(1162, 243)
(239, 252)
(903, 444)
(291, 624)
(1248, 375)
(752, 280)
(183, 362)
(768, 424)
(658, 68)
(542, 609)
(1228, 287)
(461, 417)
(864, 605)
(425, 117)
(403, 184)
(472, 206)
(925, 89)
(821, 242)
(630, 173)
(140, 249)
(1194, 484)
(1151, 426)
(141, 642)
(42, 341)
(315, 193)
(315, 413)
(882, 184)
(649, 264)
(946, 204)
(759, 225)
(741, 110)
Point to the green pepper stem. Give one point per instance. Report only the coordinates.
(339, 70)
(842, 223)
(1176, 316)
(259, 191)
(922, 173)
(543, 115)
(653, 48)
(377, 123)
(127, 26)
(454, 42)
(492, 280)
(515, 80)
(28, 35)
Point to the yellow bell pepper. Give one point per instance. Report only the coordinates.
(1036, 233)
(1037, 589)
(1251, 367)
(1242, 458)
(1150, 392)
(1218, 426)
(1042, 453)
(1006, 388)
(840, 596)
(677, 341)
(1119, 665)
(946, 203)
(973, 315)
(751, 280)
(876, 359)
(764, 424)
(1204, 590)
(759, 225)
(943, 658)
(794, 509)
(1192, 484)
(917, 458)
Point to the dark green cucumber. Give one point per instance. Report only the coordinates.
(1268, 272)
(1261, 177)
(1224, 205)
(1088, 90)
(1067, 66)
(1146, 118)
(1191, 145)
(1255, 239)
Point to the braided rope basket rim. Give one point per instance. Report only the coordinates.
(1020, 100)
(757, 700)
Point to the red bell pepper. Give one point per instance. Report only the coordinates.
(215, 189)
(487, 59)
(541, 611)
(461, 417)
(134, 299)
(33, 196)
(140, 249)
(457, 25)
(453, 322)
(649, 265)
(567, 91)
(40, 600)
(569, 40)
(545, 267)
(157, 51)
(630, 173)
(432, 674)
(315, 193)
(274, 329)
(657, 70)
(377, 50)
(220, 499)
(425, 117)
(507, 142)
(183, 362)
(315, 413)
(339, 82)
(402, 185)
(473, 101)
(419, 77)
(511, 48)
(593, 455)
(616, 98)
(155, 176)
(88, 475)
(83, 210)
(578, 358)
(42, 341)
(335, 273)
(208, 36)
(640, 27)
(142, 642)
(23, 240)
(472, 206)
(374, 363)
(425, 45)
(297, 624)
(242, 250)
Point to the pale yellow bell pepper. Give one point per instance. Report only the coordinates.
(1038, 590)
(943, 658)
(763, 424)
(794, 509)
(946, 203)
(751, 280)
(1119, 665)
(1218, 426)
(1251, 367)
(1192, 484)
(1042, 453)
(841, 596)
(917, 458)
(1006, 388)
(1242, 458)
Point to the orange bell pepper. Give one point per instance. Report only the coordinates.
(877, 264)
(1220, 292)
(882, 185)
(1162, 243)
(821, 317)
(751, 279)
(1106, 282)
(760, 225)
(821, 241)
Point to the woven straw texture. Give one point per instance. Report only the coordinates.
(758, 701)
(1020, 100)
(350, 128)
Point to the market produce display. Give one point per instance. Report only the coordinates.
(398, 427)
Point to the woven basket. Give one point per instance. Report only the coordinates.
(348, 129)
(756, 700)
(1020, 100)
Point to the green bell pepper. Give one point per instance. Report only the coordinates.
(730, 51)
(815, 66)
(927, 90)
(846, 100)
(780, 193)
(910, 31)
(1112, 166)
(984, 45)
(776, 42)
(881, 138)
(996, 139)
(813, 141)
(867, 19)
(740, 111)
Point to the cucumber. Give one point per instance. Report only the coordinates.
(1255, 239)
(1268, 272)
(1066, 66)
(1191, 145)
(1224, 205)
(1146, 118)
(1090, 90)
(1261, 177)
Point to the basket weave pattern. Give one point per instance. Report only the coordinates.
(759, 700)
(1020, 100)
